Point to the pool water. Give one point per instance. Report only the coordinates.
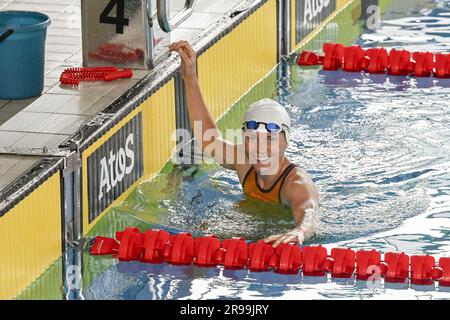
(378, 150)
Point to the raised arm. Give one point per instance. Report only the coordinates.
(205, 131)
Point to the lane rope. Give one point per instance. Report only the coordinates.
(159, 246)
(378, 61)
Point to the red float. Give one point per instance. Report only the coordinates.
(206, 250)
(421, 269)
(334, 56)
(314, 260)
(153, 245)
(424, 64)
(308, 58)
(259, 254)
(354, 59)
(103, 246)
(233, 254)
(442, 65)
(444, 264)
(395, 267)
(378, 60)
(342, 263)
(287, 259)
(366, 263)
(180, 249)
(400, 63)
(131, 241)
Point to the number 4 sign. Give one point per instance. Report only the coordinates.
(119, 20)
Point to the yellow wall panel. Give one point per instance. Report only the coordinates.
(293, 23)
(30, 238)
(158, 124)
(342, 3)
(237, 61)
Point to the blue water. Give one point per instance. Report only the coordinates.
(378, 149)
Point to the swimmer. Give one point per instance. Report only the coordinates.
(260, 162)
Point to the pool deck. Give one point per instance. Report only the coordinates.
(44, 122)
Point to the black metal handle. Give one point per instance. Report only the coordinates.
(5, 35)
(237, 12)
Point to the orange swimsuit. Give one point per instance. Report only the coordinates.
(252, 188)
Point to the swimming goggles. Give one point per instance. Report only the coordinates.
(270, 126)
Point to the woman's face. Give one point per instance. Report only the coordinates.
(265, 150)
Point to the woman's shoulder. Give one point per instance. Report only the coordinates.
(299, 179)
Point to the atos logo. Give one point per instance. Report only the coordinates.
(313, 8)
(309, 15)
(115, 166)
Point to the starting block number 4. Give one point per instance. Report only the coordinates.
(119, 20)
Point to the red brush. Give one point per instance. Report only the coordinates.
(73, 76)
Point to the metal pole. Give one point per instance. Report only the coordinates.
(72, 255)
(284, 28)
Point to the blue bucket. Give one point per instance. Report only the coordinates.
(22, 53)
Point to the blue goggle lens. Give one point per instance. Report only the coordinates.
(271, 127)
(252, 125)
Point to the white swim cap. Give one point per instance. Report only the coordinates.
(268, 110)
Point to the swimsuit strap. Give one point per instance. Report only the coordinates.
(250, 183)
(285, 174)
